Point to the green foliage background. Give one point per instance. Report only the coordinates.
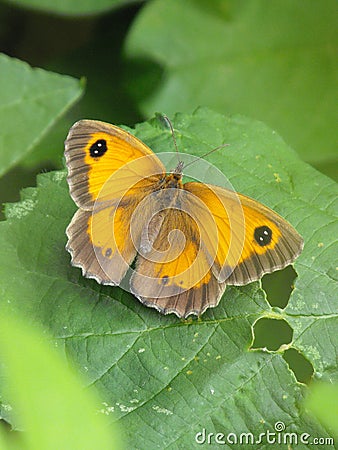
(250, 61)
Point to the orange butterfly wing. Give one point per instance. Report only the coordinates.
(175, 275)
(253, 239)
(229, 239)
(109, 172)
(94, 151)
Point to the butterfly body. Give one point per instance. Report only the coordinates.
(188, 240)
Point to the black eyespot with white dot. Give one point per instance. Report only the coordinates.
(108, 252)
(263, 235)
(98, 149)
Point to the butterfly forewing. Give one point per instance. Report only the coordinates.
(260, 241)
(94, 151)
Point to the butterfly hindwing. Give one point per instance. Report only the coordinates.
(175, 275)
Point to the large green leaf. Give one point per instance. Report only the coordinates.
(31, 102)
(273, 61)
(167, 379)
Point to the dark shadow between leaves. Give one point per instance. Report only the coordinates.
(149, 77)
(15, 180)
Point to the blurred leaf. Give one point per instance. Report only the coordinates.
(31, 102)
(273, 61)
(167, 377)
(48, 399)
(323, 402)
(71, 7)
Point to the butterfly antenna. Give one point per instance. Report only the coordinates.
(168, 122)
(206, 154)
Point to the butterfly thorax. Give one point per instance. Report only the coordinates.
(174, 178)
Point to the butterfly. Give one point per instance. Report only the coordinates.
(174, 245)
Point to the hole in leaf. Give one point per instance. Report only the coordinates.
(300, 366)
(271, 334)
(279, 285)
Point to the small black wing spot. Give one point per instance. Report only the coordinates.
(263, 235)
(165, 280)
(98, 149)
